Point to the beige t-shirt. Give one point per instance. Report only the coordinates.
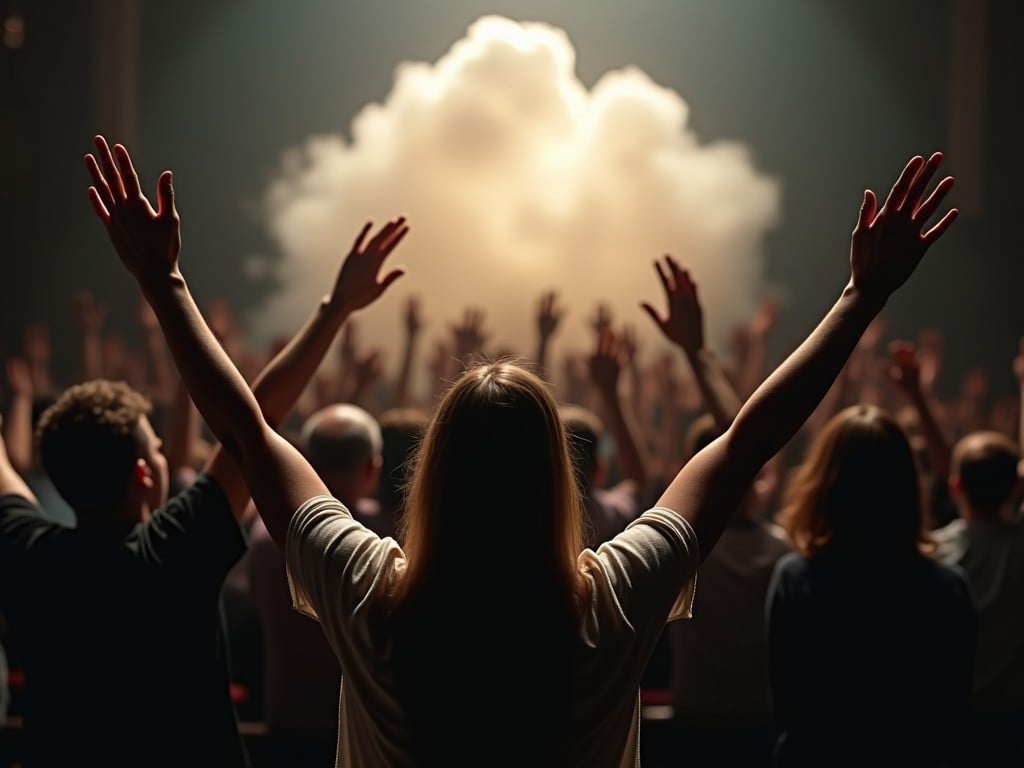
(645, 576)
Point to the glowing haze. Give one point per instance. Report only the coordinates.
(518, 179)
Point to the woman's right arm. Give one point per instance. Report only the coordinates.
(886, 246)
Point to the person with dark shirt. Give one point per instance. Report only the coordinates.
(125, 657)
(871, 641)
(118, 617)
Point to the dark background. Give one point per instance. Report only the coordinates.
(830, 97)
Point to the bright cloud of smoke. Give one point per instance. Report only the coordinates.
(518, 179)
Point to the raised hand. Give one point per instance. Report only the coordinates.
(602, 320)
(359, 281)
(148, 321)
(549, 315)
(369, 369)
(19, 377)
(469, 335)
(413, 317)
(605, 364)
(888, 242)
(904, 370)
(630, 345)
(929, 354)
(685, 322)
(147, 241)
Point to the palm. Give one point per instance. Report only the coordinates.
(888, 243)
(359, 282)
(147, 241)
(684, 325)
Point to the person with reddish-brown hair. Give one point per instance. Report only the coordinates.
(870, 640)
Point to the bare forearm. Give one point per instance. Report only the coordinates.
(630, 454)
(935, 439)
(711, 485)
(542, 358)
(719, 395)
(217, 388)
(10, 480)
(182, 429)
(285, 377)
(784, 401)
(401, 398)
(17, 432)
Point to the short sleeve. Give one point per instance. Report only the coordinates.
(22, 527)
(195, 532)
(336, 566)
(648, 571)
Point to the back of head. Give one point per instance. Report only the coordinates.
(859, 486)
(584, 430)
(984, 466)
(493, 472)
(89, 441)
(340, 439)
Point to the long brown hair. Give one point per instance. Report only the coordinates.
(494, 470)
(859, 485)
(491, 532)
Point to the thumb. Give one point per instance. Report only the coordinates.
(652, 313)
(390, 277)
(868, 208)
(165, 195)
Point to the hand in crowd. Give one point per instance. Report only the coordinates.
(605, 364)
(904, 368)
(413, 317)
(469, 335)
(147, 240)
(889, 242)
(549, 315)
(684, 325)
(19, 378)
(361, 280)
(602, 319)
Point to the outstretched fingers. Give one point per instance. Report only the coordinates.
(129, 178)
(394, 239)
(898, 193)
(653, 314)
(944, 223)
(357, 244)
(100, 186)
(110, 171)
(666, 281)
(921, 182)
(868, 210)
(379, 242)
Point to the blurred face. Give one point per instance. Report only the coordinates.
(159, 474)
